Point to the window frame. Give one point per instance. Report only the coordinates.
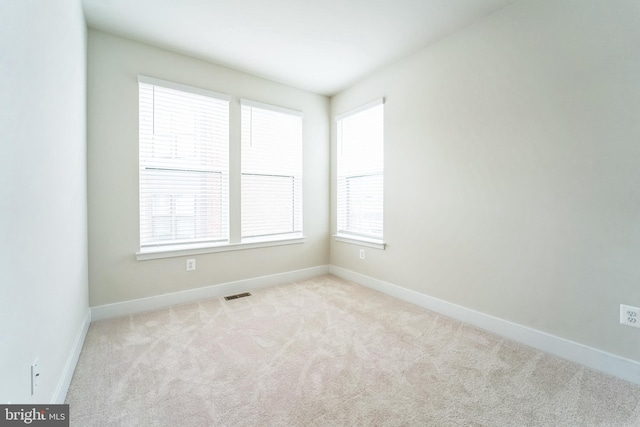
(347, 236)
(297, 200)
(193, 159)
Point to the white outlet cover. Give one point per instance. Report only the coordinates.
(630, 316)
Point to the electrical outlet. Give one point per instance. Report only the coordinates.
(35, 377)
(191, 264)
(361, 253)
(630, 316)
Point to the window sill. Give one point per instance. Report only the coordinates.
(197, 249)
(361, 241)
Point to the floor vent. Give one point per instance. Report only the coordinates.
(230, 297)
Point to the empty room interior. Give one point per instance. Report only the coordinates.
(424, 212)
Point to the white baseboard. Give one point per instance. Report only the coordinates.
(599, 360)
(65, 380)
(160, 301)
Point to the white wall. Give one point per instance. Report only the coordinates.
(114, 64)
(512, 169)
(43, 223)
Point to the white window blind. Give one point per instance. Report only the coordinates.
(360, 174)
(184, 166)
(271, 171)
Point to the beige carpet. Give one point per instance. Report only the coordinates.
(326, 352)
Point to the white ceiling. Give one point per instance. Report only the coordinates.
(322, 46)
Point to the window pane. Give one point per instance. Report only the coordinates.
(184, 141)
(271, 172)
(273, 198)
(363, 204)
(361, 172)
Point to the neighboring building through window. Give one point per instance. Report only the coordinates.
(184, 164)
(360, 172)
(271, 161)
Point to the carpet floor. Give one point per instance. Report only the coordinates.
(327, 352)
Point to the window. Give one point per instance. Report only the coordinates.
(360, 174)
(184, 165)
(271, 172)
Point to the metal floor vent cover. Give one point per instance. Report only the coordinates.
(230, 297)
